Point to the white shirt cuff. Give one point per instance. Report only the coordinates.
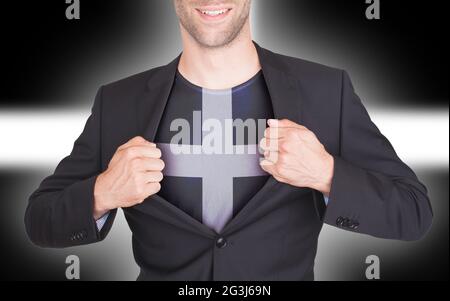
(101, 221)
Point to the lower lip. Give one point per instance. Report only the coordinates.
(213, 18)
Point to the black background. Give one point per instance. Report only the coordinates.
(40, 46)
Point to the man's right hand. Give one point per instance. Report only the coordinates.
(133, 174)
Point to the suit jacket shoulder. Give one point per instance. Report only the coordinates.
(130, 86)
(302, 69)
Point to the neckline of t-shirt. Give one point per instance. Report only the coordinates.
(219, 91)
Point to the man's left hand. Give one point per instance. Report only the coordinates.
(293, 155)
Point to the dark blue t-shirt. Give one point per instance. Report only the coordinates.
(209, 141)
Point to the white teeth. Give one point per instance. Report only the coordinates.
(214, 12)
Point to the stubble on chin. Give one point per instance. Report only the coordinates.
(216, 40)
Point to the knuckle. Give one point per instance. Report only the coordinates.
(277, 168)
(292, 134)
(138, 139)
(274, 132)
(311, 135)
(138, 191)
(158, 153)
(157, 187)
(283, 146)
(161, 164)
(135, 163)
(130, 153)
(273, 157)
(305, 134)
(153, 188)
(159, 176)
(138, 199)
(262, 143)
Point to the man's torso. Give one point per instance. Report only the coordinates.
(215, 183)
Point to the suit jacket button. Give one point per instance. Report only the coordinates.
(346, 222)
(221, 243)
(340, 221)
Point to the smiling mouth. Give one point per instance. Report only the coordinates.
(212, 14)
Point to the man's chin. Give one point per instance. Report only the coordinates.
(217, 41)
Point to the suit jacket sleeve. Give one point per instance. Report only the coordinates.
(372, 190)
(60, 211)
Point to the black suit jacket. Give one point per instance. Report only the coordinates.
(274, 237)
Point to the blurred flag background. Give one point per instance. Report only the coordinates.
(51, 68)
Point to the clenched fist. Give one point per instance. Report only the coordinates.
(133, 174)
(293, 155)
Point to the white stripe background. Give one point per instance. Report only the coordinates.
(41, 139)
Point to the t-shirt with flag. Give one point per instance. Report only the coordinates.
(213, 186)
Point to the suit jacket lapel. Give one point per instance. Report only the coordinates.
(286, 103)
(283, 88)
(152, 102)
(150, 108)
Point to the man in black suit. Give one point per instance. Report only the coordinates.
(200, 215)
